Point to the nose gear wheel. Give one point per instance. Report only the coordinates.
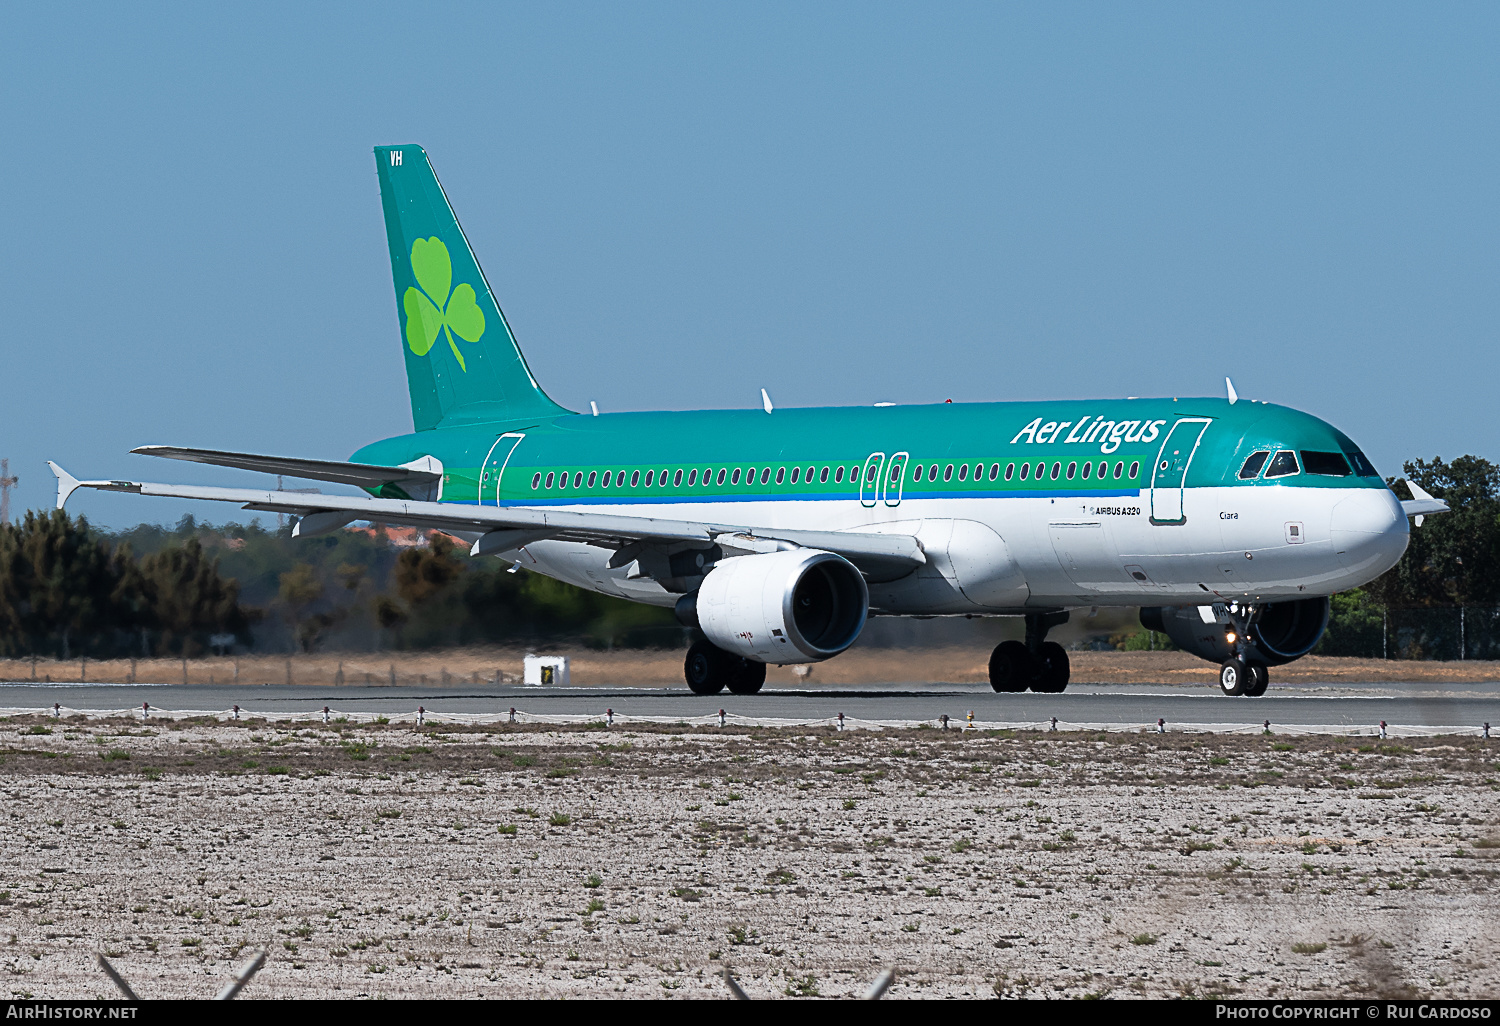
(1233, 676)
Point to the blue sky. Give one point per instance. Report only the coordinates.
(680, 204)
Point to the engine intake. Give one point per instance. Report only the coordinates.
(799, 606)
(1283, 632)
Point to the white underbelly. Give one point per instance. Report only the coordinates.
(1003, 555)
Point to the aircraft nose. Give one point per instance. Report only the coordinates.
(1368, 530)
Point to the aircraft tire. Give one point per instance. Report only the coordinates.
(1011, 667)
(1259, 678)
(707, 668)
(1234, 675)
(749, 677)
(1052, 669)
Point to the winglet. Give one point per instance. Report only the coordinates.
(1234, 396)
(67, 484)
(765, 400)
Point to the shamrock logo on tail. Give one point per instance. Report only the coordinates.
(431, 309)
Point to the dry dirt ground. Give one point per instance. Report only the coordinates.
(655, 668)
(378, 861)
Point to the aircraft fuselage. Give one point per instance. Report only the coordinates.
(1018, 506)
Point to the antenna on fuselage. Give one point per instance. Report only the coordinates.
(1234, 396)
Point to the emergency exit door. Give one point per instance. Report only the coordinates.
(494, 466)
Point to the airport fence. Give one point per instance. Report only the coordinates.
(1425, 632)
(421, 717)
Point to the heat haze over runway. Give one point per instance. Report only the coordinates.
(1351, 705)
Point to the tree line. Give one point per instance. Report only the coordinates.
(69, 589)
(1442, 600)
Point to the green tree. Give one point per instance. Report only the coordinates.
(1355, 623)
(187, 598)
(301, 590)
(1139, 639)
(60, 586)
(426, 571)
(1453, 558)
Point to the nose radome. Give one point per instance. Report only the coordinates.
(1368, 530)
(1367, 511)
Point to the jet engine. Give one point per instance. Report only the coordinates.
(797, 606)
(1282, 632)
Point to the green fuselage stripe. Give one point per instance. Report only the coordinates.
(708, 482)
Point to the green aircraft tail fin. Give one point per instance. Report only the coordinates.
(462, 362)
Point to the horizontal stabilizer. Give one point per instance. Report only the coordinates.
(360, 475)
(1421, 503)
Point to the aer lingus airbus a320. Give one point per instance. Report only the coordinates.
(777, 532)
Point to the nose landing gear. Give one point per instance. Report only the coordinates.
(1233, 676)
(1239, 675)
(1035, 663)
(1260, 679)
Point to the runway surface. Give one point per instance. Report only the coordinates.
(1341, 704)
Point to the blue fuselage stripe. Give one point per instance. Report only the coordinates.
(561, 497)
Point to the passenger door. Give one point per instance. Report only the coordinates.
(1170, 470)
(494, 466)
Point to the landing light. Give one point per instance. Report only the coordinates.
(1231, 637)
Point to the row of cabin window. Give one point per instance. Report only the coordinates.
(1026, 471)
(560, 480)
(653, 479)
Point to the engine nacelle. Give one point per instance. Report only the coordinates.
(799, 606)
(1284, 631)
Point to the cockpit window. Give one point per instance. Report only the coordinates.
(1362, 465)
(1253, 464)
(1284, 464)
(1329, 464)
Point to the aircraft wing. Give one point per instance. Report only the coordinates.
(506, 528)
(361, 475)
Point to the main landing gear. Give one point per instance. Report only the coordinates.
(1034, 663)
(709, 670)
(1239, 675)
